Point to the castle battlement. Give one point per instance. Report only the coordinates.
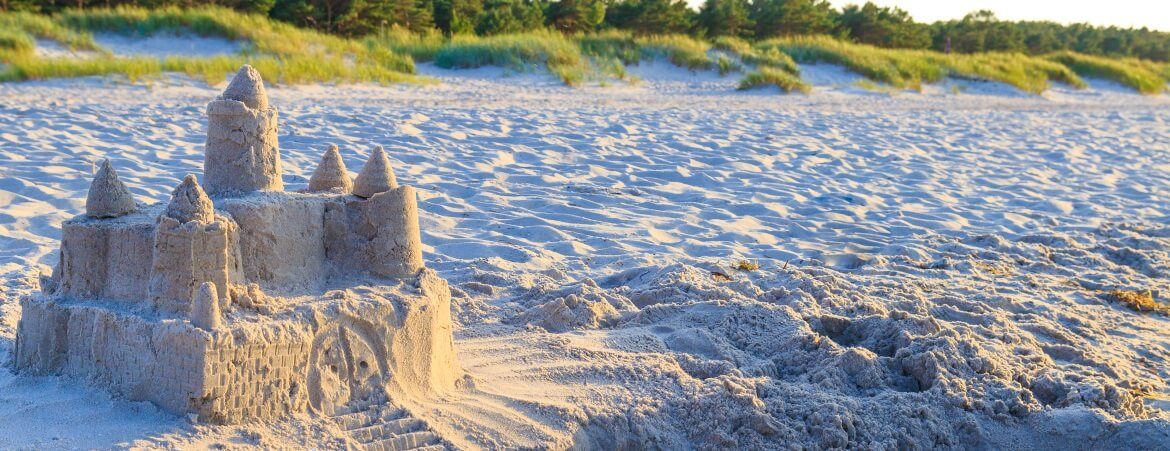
(237, 300)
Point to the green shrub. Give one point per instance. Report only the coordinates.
(726, 65)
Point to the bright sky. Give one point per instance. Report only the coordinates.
(1154, 14)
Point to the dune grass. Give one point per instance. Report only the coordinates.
(521, 52)
(769, 56)
(680, 50)
(29, 26)
(289, 70)
(911, 68)
(16, 42)
(572, 58)
(288, 54)
(746, 265)
(420, 46)
(283, 53)
(765, 75)
(1141, 76)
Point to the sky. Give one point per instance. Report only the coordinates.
(1154, 14)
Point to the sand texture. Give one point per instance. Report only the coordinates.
(934, 268)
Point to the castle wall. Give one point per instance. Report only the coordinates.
(255, 377)
(282, 241)
(379, 235)
(330, 354)
(105, 259)
(143, 360)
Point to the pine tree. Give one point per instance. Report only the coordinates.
(792, 17)
(414, 15)
(725, 18)
(573, 16)
(457, 16)
(509, 16)
(884, 27)
(651, 16)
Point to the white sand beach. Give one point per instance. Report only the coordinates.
(933, 266)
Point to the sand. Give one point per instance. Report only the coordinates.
(932, 274)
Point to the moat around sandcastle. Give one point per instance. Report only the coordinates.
(238, 301)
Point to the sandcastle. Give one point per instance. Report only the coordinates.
(238, 301)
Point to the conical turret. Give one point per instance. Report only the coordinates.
(205, 313)
(247, 87)
(190, 203)
(108, 196)
(331, 173)
(376, 176)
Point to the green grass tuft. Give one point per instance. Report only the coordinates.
(764, 56)
(420, 46)
(764, 76)
(680, 50)
(16, 42)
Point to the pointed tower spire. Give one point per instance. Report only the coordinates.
(331, 173)
(190, 203)
(376, 176)
(108, 196)
(247, 87)
(205, 313)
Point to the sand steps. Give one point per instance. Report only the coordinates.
(389, 428)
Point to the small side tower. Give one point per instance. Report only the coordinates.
(191, 246)
(242, 154)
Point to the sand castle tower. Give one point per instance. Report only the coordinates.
(242, 154)
(236, 300)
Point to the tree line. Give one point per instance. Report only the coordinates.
(749, 19)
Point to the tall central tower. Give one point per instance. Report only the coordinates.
(242, 154)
